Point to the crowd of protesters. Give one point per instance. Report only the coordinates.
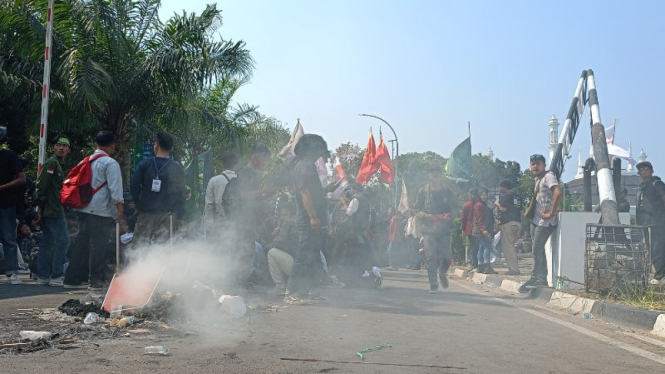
(313, 241)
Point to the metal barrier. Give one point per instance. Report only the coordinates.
(617, 258)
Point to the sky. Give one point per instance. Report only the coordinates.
(428, 67)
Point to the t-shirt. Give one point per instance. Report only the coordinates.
(304, 175)
(513, 206)
(544, 200)
(9, 167)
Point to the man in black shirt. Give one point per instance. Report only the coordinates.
(651, 213)
(12, 178)
(434, 216)
(158, 189)
(509, 207)
(311, 219)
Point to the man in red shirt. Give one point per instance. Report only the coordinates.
(466, 217)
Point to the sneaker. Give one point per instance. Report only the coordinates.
(57, 282)
(489, 270)
(23, 271)
(481, 269)
(433, 292)
(43, 282)
(79, 286)
(294, 299)
(444, 281)
(335, 283)
(531, 284)
(14, 279)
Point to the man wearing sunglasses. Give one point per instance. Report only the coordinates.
(651, 212)
(543, 213)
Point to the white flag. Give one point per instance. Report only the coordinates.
(287, 152)
(404, 199)
(322, 170)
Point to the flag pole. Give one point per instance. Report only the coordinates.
(46, 87)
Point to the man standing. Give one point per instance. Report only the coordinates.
(158, 189)
(214, 208)
(509, 207)
(311, 219)
(55, 240)
(466, 222)
(434, 213)
(96, 220)
(248, 221)
(651, 213)
(12, 178)
(542, 211)
(358, 211)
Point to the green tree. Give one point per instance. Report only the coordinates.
(114, 62)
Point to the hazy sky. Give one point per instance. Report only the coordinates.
(428, 67)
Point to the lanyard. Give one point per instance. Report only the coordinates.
(159, 170)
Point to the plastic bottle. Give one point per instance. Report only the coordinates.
(587, 315)
(91, 318)
(156, 350)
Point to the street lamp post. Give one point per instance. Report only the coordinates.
(396, 153)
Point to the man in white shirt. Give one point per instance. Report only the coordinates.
(97, 219)
(214, 210)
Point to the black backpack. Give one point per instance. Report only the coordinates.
(231, 197)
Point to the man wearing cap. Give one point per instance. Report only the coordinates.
(433, 210)
(542, 211)
(651, 212)
(12, 178)
(53, 248)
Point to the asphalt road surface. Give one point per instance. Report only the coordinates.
(464, 329)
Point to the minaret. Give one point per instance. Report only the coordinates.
(554, 135)
(641, 157)
(490, 154)
(580, 165)
(630, 169)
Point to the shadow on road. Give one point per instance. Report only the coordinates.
(8, 291)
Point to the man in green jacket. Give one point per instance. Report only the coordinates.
(53, 249)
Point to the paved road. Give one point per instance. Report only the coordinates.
(466, 328)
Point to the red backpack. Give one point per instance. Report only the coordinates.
(77, 191)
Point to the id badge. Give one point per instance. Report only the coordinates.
(156, 185)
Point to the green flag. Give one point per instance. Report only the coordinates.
(193, 191)
(459, 166)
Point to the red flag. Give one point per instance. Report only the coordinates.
(384, 162)
(369, 165)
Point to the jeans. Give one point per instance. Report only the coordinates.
(88, 258)
(540, 235)
(658, 250)
(8, 239)
(53, 248)
(280, 265)
(149, 226)
(484, 250)
(306, 270)
(510, 232)
(392, 253)
(473, 250)
(438, 255)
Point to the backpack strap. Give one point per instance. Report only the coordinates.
(90, 160)
(226, 177)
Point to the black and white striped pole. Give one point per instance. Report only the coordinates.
(570, 126)
(608, 205)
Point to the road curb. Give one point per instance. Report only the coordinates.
(650, 320)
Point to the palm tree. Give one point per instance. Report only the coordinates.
(116, 63)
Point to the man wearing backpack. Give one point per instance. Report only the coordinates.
(55, 240)
(159, 192)
(12, 178)
(214, 203)
(97, 217)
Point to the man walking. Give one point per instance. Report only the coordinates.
(12, 178)
(214, 208)
(651, 213)
(97, 218)
(509, 207)
(159, 192)
(542, 211)
(434, 213)
(466, 222)
(55, 239)
(311, 219)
